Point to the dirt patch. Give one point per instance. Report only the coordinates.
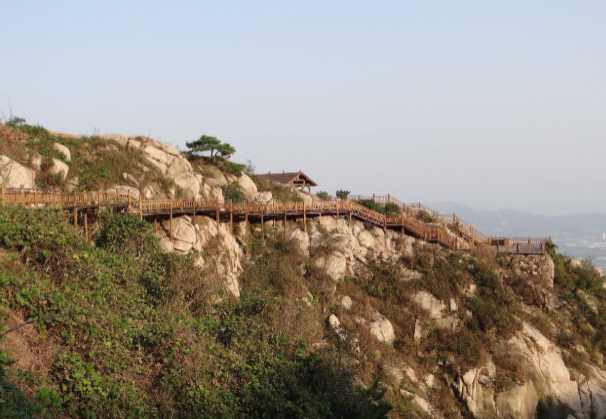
(27, 349)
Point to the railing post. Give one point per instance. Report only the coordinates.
(262, 229)
(140, 207)
(304, 218)
(246, 231)
(85, 227)
(3, 196)
(231, 217)
(170, 222)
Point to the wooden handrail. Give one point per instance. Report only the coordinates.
(38, 198)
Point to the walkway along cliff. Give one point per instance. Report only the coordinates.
(80, 205)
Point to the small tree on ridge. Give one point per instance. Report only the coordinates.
(203, 144)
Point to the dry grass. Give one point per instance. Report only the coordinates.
(12, 143)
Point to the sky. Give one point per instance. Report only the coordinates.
(485, 103)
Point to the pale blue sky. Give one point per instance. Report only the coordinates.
(488, 103)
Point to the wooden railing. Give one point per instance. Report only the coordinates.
(407, 222)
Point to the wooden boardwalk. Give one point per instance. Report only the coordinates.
(439, 231)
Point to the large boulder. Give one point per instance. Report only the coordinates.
(438, 310)
(63, 150)
(519, 402)
(382, 329)
(301, 239)
(167, 159)
(431, 304)
(472, 388)
(570, 394)
(263, 198)
(247, 187)
(59, 168)
(366, 239)
(336, 266)
(216, 247)
(14, 175)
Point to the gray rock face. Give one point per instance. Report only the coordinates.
(346, 302)
(247, 187)
(13, 174)
(576, 397)
(382, 329)
(301, 239)
(167, 159)
(336, 266)
(189, 236)
(438, 311)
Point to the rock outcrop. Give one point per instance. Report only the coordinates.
(168, 160)
(567, 394)
(215, 247)
(14, 175)
(382, 329)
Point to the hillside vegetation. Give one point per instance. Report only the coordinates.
(338, 319)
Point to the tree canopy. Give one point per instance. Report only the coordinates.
(225, 150)
(210, 144)
(343, 194)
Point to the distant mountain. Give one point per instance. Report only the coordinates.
(580, 235)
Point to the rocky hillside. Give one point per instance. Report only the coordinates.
(337, 320)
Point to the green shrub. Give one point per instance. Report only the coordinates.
(139, 336)
(323, 195)
(232, 193)
(392, 209)
(343, 194)
(234, 168)
(371, 204)
(13, 403)
(280, 193)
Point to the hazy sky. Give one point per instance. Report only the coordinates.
(490, 104)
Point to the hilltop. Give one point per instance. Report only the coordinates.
(334, 318)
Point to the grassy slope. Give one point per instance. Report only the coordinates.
(142, 332)
(96, 162)
(142, 335)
